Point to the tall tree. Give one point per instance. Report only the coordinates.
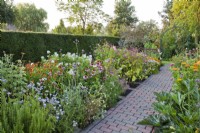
(187, 15)
(6, 11)
(112, 28)
(83, 12)
(124, 13)
(166, 14)
(60, 28)
(29, 18)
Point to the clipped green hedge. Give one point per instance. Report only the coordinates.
(34, 45)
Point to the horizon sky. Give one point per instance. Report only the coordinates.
(145, 10)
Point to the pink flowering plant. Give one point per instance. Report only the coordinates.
(70, 90)
(53, 75)
(129, 63)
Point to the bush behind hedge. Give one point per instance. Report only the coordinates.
(34, 45)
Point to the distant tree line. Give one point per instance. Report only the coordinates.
(87, 18)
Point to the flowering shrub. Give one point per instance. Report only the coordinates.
(130, 64)
(179, 109)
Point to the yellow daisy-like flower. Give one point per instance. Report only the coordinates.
(183, 63)
(179, 79)
(195, 70)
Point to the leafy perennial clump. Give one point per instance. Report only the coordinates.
(178, 110)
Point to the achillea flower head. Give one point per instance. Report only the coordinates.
(179, 79)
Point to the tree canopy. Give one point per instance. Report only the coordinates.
(143, 32)
(6, 11)
(60, 28)
(83, 12)
(124, 13)
(29, 18)
(124, 17)
(187, 14)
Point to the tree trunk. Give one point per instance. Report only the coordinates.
(83, 28)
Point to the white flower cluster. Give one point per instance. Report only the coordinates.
(89, 57)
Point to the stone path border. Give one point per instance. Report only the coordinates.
(134, 107)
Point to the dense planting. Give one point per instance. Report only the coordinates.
(179, 109)
(65, 92)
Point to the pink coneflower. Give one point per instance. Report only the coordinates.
(85, 77)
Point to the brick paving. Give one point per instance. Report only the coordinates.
(134, 107)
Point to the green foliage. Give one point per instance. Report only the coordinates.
(112, 29)
(12, 76)
(91, 29)
(83, 12)
(150, 46)
(20, 112)
(74, 110)
(25, 117)
(83, 88)
(124, 17)
(6, 11)
(151, 50)
(35, 45)
(182, 28)
(130, 64)
(65, 92)
(182, 11)
(178, 110)
(166, 13)
(29, 18)
(124, 12)
(60, 28)
(144, 32)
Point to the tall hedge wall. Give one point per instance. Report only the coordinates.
(35, 45)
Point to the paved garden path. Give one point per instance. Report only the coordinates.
(134, 107)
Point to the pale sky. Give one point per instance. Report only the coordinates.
(145, 9)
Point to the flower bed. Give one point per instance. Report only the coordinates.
(179, 109)
(64, 92)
